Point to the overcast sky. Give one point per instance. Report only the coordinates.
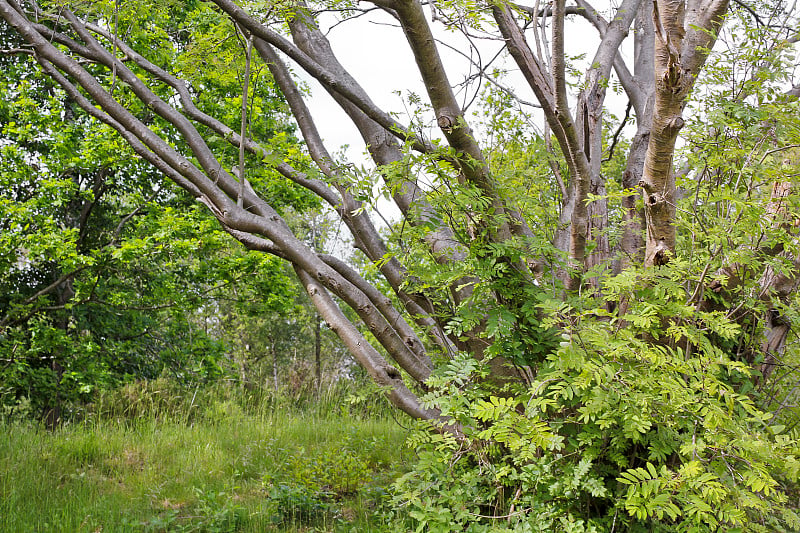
(374, 50)
(376, 53)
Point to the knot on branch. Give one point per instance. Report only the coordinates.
(661, 253)
(776, 318)
(716, 286)
(675, 123)
(393, 373)
(675, 79)
(381, 138)
(446, 123)
(654, 199)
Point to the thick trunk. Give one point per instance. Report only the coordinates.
(590, 122)
(682, 41)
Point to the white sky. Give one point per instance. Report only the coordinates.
(376, 53)
(374, 50)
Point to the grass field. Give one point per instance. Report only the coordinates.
(226, 470)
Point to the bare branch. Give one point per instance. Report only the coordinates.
(369, 358)
(615, 136)
(243, 131)
(328, 79)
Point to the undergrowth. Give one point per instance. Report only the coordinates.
(153, 457)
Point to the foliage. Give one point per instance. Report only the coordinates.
(215, 514)
(168, 400)
(642, 422)
(657, 412)
(566, 387)
(107, 274)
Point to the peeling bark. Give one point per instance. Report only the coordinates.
(682, 40)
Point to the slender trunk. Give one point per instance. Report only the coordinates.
(274, 366)
(590, 122)
(53, 410)
(318, 349)
(631, 245)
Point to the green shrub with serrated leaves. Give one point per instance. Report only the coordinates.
(642, 422)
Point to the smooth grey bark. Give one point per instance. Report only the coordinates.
(550, 90)
(381, 372)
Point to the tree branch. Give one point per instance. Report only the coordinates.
(381, 372)
(323, 75)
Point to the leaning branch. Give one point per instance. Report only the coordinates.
(376, 366)
(323, 75)
(262, 220)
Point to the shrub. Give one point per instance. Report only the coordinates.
(646, 424)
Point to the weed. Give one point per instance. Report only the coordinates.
(297, 504)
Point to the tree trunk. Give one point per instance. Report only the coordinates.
(318, 349)
(681, 47)
(274, 365)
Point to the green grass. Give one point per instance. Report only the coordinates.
(277, 470)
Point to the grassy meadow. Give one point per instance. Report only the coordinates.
(149, 459)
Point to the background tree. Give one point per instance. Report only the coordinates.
(105, 267)
(621, 358)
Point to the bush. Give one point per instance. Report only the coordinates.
(642, 425)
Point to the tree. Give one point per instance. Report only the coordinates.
(102, 276)
(526, 264)
(97, 287)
